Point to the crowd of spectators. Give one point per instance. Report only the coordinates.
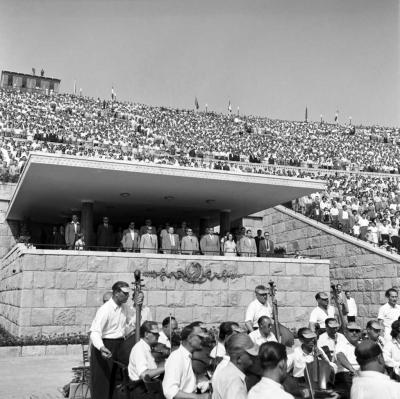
(365, 206)
(87, 127)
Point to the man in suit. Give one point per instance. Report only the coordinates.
(105, 235)
(148, 242)
(143, 229)
(170, 242)
(210, 244)
(189, 243)
(257, 239)
(182, 230)
(247, 245)
(71, 232)
(130, 238)
(266, 246)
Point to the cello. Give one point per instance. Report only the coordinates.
(282, 333)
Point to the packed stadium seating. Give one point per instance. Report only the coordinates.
(339, 154)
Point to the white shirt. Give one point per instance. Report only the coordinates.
(373, 385)
(259, 339)
(179, 375)
(352, 306)
(297, 361)
(255, 310)
(218, 350)
(140, 360)
(132, 234)
(325, 340)
(318, 315)
(110, 322)
(268, 388)
(163, 339)
(388, 314)
(349, 351)
(229, 383)
(391, 354)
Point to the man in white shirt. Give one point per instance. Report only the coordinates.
(141, 361)
(189, 243)
(273, 361)
(346, 358)
(179, 379)
(107, 334)
(264, 332)
(352, 306)
(226, 329)
(304, 354)
(259, 307)
(389, 312)
(374, 330)
(372, 382)
(322, 312)
(331, 338)
(229, 382)
(169, 327)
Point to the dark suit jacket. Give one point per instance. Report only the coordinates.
(263, 248)
(258, 240)
(105, 236)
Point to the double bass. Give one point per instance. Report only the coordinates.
(339, 308)
(282, 333)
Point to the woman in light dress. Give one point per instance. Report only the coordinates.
(230, 246)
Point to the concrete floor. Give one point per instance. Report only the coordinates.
(36, 377)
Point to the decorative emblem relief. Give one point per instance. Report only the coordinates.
(193, 273)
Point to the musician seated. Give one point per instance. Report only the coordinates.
(372, 382)
(304, 354)
(169, 328)
(179, 378)
(141, 360)
(374, 331)
(264, 332)
(228, 381)
(226, 329)
(273, 361)
(391, 351)
(346, 359)
(329, 339)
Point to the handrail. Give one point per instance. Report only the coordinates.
(282, 166)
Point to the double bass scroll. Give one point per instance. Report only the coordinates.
(138, 298)
(282, 333)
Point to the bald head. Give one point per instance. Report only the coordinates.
(369, 356)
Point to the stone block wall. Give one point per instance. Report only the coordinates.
(8, 229)
(45, 292)
(357, 265)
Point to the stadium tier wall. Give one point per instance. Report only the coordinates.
(361, 268)
(55, 292)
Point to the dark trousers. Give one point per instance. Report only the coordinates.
(103, 371)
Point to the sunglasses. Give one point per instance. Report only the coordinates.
(125, 293)
(354, 331)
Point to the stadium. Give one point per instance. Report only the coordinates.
(266, 246)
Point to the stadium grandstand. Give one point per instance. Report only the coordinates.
(360, 165)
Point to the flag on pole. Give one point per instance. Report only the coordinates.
(306, 115)
(229, 106)
(113, 96)
(196, 103)
(336, 116)
(75, 87)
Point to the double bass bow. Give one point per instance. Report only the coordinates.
(282, 333)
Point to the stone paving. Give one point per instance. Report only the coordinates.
(35, 377)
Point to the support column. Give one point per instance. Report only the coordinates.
(224, 221)
(87, 222)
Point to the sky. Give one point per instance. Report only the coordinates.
(269, 57)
